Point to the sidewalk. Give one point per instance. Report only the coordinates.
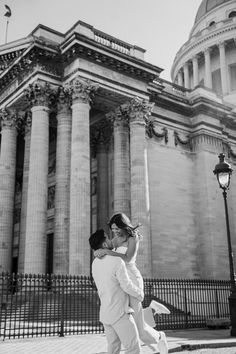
(96, 343)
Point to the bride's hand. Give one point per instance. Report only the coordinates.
(100, 253)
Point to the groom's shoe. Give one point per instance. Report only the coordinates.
(163, 346)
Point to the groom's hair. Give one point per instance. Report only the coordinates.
(96, 239)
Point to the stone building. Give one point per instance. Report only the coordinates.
(89, 128)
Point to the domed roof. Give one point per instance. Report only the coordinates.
(206, 6)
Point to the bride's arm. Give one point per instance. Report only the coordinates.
(132, 247)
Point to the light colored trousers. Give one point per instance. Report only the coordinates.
(147, 334)
(124, 332)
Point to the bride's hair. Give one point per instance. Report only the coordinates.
(123, 222)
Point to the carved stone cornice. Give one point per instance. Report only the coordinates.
(138, 110)
(8, 118)
(186, 142)
(40, 94)
(150, 130)
(113, 63)
(81, 90)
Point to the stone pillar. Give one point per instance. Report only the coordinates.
(208, 77)
(103, 140)
(80, 213)
(223, 69)
(27, 131)
(195, 71)
(180, 78)
(186, 76)
(138, 111)
(36, 217)
(7, 187)
(121, 162)
(211, 245)
(62, 192)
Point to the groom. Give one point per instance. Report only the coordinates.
(114, 285)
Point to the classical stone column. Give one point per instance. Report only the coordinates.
(27, 133)
(138, 111)
(7, 186)
(62, 193)
(80, 213)
(102, 175)
(186, 76)
(195, 71)
(121, 161)
(223, 68)
(208, 77)
(36, 217)
(180, 78)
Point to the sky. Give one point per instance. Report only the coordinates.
(160, 27)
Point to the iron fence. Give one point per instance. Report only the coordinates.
(44, 305)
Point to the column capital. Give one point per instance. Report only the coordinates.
(195, 57)
(8, 118)
(118, 117)
(138, 110)
(221, 43)
(81, 90)
(39, 94)
(206, 50)
(63, 99)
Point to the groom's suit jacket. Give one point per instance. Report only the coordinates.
(114, 285)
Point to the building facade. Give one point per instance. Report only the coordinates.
(88, 128)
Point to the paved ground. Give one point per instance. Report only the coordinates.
(212, 351)
(184, 341)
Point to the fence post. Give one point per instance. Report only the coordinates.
(217, 304)
(186, 308)
(4, 299)
(61, 333)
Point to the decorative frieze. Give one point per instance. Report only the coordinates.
(151, 131)
(230, 152)
(81, 90)
(209, 142)
(185, 142)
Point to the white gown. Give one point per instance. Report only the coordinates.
(131, 267)
(147, 334)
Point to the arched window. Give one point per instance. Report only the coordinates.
(211, 23)
(232, 14)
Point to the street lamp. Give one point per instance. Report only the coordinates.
(223, 173)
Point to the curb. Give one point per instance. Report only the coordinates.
(190, 347)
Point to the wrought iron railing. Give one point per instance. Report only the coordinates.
(44, 305)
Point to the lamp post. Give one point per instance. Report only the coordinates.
(223, 173)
